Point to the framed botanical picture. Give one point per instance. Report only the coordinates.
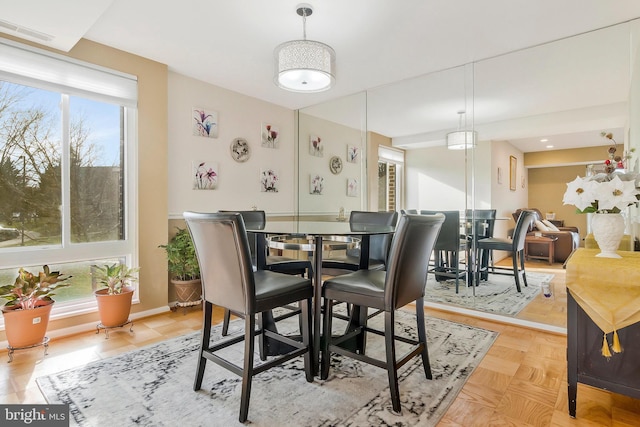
(316, 184)
(513, 173)
(270, 135)
(205, 123)
(352, 187)
(205, 175)
(269, 181)
(315, 146)
(353, 154)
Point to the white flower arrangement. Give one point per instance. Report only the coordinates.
(602, 193)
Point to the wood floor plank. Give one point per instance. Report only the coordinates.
(520, 382)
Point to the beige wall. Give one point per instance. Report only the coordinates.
(152, 189)
(549, 173)
(546, 190)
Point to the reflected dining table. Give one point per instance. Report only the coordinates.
(319, 233)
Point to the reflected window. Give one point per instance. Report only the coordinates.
(390, 182)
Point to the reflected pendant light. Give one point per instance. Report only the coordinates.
(461, 139)
(304, 65)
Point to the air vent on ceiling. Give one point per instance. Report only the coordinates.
(24, 31)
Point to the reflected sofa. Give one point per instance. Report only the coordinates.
(568, 238)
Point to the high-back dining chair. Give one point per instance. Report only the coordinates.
(446, 252)
(515, 245)
(229, 281)
(378, 245)
(402, 283)
(281, 264)
(480, 225)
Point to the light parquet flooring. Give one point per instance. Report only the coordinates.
(520, 382)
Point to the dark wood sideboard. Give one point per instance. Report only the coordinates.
(587, 365)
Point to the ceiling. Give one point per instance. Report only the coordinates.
(377, 42)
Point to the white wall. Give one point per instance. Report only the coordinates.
(503, 199)
(239, 116)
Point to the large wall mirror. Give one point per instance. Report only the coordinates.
(567, 92)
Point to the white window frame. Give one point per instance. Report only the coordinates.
(25, 65)
(395, 156)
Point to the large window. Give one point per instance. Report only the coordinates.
(67, 175)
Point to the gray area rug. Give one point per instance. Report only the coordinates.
(496, 295)
(152, 386)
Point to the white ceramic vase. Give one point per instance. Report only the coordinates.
(608, 230)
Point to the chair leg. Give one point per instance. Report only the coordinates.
(422, 337)
(247, 371)
(524, 274)
(225, 322)
(516, 273)
(307, 333)
(204, 344)
(390, 347)
(262, 342)
(326, 333)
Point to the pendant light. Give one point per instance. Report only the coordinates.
(461, 139)
(304, 65)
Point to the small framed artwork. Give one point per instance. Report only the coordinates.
(205, 175)
(335, 165)
(240, 151)
(353, 154)
(513, 173)
(352, 187)
(316, 148)
(269, 181)
(499, 175)
(316, 184)
(205, 123)
(270, 135)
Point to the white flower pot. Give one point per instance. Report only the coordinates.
(608, 230)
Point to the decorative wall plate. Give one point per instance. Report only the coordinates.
(240, 150)
(335, 165)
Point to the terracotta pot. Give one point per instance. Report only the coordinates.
(25, 328)
(187, 290)
(114, 309)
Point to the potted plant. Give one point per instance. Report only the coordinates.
(183, 267)
(28, 307)
(114, 300)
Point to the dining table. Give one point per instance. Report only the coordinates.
(306, 236)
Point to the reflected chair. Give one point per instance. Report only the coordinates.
(515, 245)
(480, 225)
(258, 219)
(446, 253)
(378, 244)
(402, 283)
(229, 281)
(409, 211)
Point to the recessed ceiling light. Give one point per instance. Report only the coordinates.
(549, 146)
(544, 140)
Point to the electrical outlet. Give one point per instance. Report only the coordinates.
(37, 320)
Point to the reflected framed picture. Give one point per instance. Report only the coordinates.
(513, 171)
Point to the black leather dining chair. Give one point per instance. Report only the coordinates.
(480, 225)
(281, 264)
(378, 245)
(229, 281)
(402, 283)
(515, 245)
(446, 253)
